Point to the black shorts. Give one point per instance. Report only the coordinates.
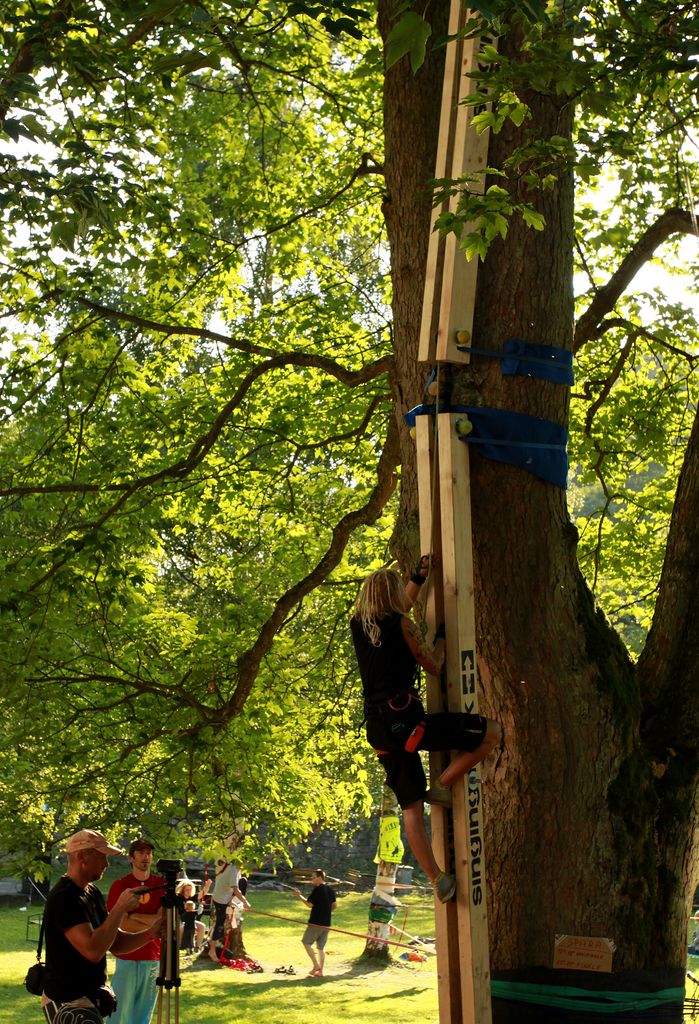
(389, 727)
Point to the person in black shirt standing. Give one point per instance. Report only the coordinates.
(322, 901)
(390, 651)
(79, 931)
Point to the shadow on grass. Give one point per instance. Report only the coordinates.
(350, 969)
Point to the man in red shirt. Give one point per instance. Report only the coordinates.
(136, 973)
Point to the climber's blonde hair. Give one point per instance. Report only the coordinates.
(382, 594)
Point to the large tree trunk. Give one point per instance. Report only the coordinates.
(590, 819)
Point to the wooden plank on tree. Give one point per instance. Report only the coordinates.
(445, 530)
(462, 696)
(444, 162)
(446, 920)
(448, 308)
(450, 279)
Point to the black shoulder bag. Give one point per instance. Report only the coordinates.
(34, 981)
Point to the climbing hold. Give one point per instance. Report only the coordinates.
(463, 426)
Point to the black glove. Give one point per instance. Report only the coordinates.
(421, 570)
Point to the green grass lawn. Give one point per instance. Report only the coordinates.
(351, 993)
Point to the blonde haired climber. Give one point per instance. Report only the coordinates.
(390, 651)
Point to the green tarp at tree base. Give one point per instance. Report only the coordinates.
(547, 996)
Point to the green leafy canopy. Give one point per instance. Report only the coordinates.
(197, 440)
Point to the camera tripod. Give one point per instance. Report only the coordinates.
(169, 976)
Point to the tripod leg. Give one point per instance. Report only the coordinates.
(169, 977)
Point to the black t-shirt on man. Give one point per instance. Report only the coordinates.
(321, 898)
(69, 975)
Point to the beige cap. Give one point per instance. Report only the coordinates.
(86, 839)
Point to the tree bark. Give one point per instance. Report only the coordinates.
(379, 923)
(235, 944)
(668, 674)
(591, 801)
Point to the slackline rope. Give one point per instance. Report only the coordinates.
(415, 938)
(341, 931)
(598, 1001)
(341, 881)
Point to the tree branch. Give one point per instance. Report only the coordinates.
(638, 331)
(158, 327)
(23, 60)
(668, 668)
(671, 222)
(249, 662)
(203, 445)
(609, 383)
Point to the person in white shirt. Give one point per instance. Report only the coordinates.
(225, 887)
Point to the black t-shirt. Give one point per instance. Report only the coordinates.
(69, 975)
(321, 898)
(388, 669)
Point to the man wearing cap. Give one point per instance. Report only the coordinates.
(79, 930)
(136, 972)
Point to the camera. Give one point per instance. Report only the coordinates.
(169, 868)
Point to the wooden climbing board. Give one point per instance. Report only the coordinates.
(445, 528)
(450, 283)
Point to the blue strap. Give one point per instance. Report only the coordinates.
(534, 444)
(529, 359)
(510, 444)
(429, 409)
